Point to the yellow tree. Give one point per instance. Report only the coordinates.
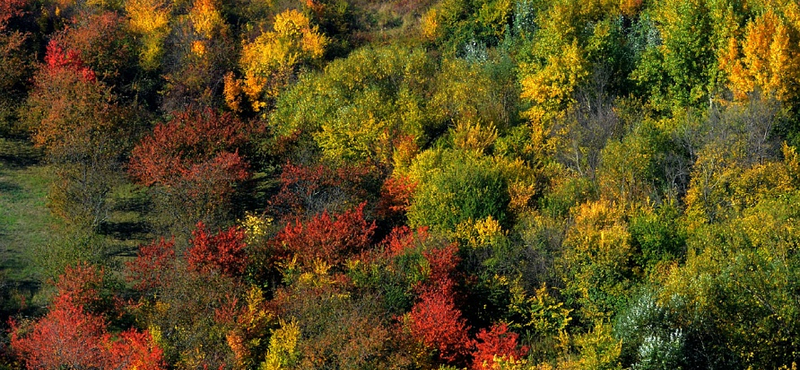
(149, 19)
(767, 59)
(269, 61)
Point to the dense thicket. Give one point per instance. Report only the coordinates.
(410, 184)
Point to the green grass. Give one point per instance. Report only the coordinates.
(25, 221)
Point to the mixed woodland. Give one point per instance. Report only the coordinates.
(401, 184)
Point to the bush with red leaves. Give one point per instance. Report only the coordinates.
(402, 239)
(194, 162)
(497, 342)
(223, 252)
(436, 322)
(327, 238)
(69, 336)
(152, 262)
(443, 263)
(308, 190)
(396, 194)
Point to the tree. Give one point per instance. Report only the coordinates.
(455, 186)
(270, 61)
(327, 239)
(13, 59)
(192, 163)
(150, 19)
(71, 336)
(765, 60)
(496, 344)
(223, 252)
(75, 119)
(436, 322)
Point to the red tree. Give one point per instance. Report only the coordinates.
(327, 238)
(152, 262)
(402, 239)
(69, 336)
(437, 323)
(396, 195)
(193, 160)
(498, 342)
(223, 252)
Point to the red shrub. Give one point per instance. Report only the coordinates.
(496, 342)
(402, 239)
(188, 146)
(223, 252)
(327, 238)
(135, 350)
(57, 59)
(305, 189)
(194, 159)
(152, 262)
(71, 337)
(443, 263)
(437, 323)
(396, 194)
(80, 284)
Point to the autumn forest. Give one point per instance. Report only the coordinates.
(400, 184)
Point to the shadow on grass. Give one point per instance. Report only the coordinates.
(8, 188)
(17, 153)
(124, 230)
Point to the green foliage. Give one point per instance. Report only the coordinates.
(359, 105)
(456, 186)
(737, 284)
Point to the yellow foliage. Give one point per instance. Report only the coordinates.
(479, 233)
(206, 18)
(282, 352)
(430, 24)
(766, 60)
(150, 19)
(599, 348)
(550, 87)
(474, 136)
(198, 48)
(270, 59)
(232, 92)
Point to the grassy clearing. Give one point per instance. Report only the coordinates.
(25, 220)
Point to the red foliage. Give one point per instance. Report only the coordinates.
(10, 9)
(402, 239)
(151, 263)
(437, 323)
(443, 263)
(57, 60)
(135, 350)
(327, 238)
(66, 337)
(496, 342)
(80, 284)
(195, 152)
(71, 337)
(223, 252)
(303, 188)
(396, 196)
(102, 42)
